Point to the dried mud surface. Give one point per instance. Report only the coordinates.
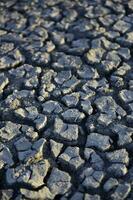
(66, 100)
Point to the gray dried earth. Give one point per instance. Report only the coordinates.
(66, 99)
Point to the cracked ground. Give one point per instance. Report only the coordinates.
(66, 100)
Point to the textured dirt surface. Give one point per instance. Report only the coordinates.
(66, 100)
